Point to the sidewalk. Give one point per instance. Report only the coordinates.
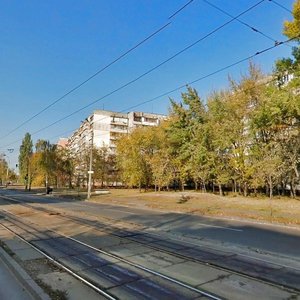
(10, 286)
(15, 283)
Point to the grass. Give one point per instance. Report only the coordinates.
(282, 210)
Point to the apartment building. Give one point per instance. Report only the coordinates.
(102, 128)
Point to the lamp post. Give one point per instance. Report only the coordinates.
(90, 172)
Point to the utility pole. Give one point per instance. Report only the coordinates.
(46, 158)
(90, 172)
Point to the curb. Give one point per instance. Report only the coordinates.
(34, 290)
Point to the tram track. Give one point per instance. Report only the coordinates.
(91, 284)
(91, 224)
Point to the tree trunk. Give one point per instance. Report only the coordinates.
(282, 188)
(270, 189)
(220, 190)
(240, 188)
(293, 188)
(196, 185)
(245, 189)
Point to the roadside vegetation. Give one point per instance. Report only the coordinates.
(243, 140)
(7, 175)
(281, 210)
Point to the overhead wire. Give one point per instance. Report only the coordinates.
(160, 29)
(180, 9)
(152, 69)
(280, 5)
(240, 21)
(186, 84)
(210, 74)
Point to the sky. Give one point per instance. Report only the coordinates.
(50, 47)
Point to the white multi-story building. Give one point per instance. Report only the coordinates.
(102, 128)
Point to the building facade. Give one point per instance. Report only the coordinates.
(102, 128)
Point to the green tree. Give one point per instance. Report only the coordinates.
(159, 158)
(26, 150)
(48, 159)
(104, 166)
(3, 169)
(65, 167)
(186, 120)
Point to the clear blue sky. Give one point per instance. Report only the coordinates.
(48, 47)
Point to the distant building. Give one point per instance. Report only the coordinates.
(102, 128)
(62, 143)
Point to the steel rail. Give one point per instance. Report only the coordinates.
(56, 262)
(262, 280)
(168, 278)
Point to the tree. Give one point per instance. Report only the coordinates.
(47, 159)
(160, 158)
(133, 158)
(3, 169)
(26, 150)
(104, 166)
(65, 167)
(186, 120)
(292, 28)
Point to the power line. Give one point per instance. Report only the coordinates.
(180, 9)
(146, 73)
(99, 71)
(241, 22)
(182, 86)
(280, 5)
(208, 75)
(153, 99)
(88, 79)
(154, 68)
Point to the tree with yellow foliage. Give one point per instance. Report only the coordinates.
(292, 28)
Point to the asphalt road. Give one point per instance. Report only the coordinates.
(186, 247)
(270, 238)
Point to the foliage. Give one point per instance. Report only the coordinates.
(292, 28)
(3, 169)
(245, 138)
(26, 150)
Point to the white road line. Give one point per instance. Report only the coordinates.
(220, 227)
(126, 212)
(112, 209)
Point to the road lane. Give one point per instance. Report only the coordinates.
(281, 240)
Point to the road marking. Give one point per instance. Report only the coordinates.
(113, 209)
(220, 227)
(126, 212)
